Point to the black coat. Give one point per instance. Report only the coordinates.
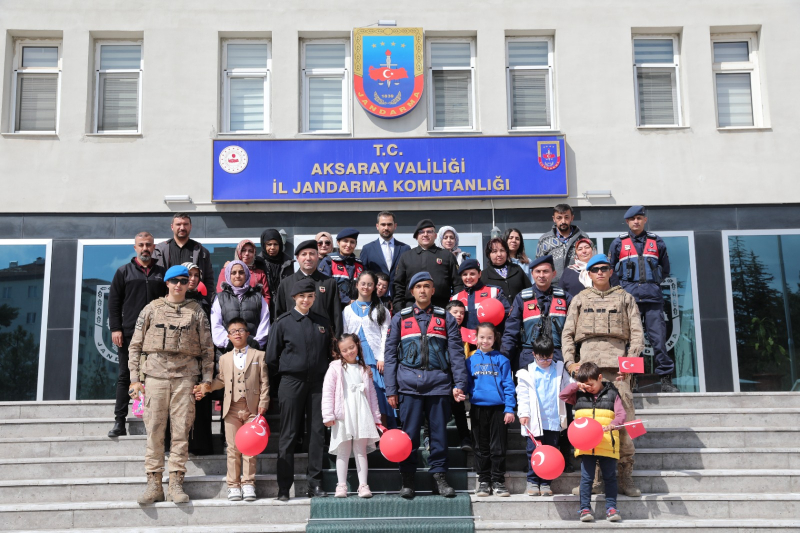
(131, 290)
(326, 303)
(300, 346)
(439, 263)
(512, 284)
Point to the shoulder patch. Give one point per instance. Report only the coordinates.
(526, 294)
(335, 258)
(140, 321)
(558, 291)
(438, 311)
(407, 310)
(622, 236)
(652, 235)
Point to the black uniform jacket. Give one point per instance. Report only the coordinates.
(299, 346)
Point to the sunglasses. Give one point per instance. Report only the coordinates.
(595, 270)
(182, 281)
(324, 243)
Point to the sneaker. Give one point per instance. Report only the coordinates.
(466, 446)
(613, 515)
(249, 493)
(501, 490)
(532, 489)
(483, 489)
(364, 492)
(234, 494)
(341, 490)
(544, 490)
(586, 515)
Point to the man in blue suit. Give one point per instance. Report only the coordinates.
(382, 254)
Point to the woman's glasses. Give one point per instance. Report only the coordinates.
(324, 243)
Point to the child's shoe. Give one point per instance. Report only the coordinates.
(545, 490)
(341, 490)
(613, 515)
(501, 490)
(532, 489)
(249, 493)
(483, 489)
(364, 492)
(234, 494)
(586, 515)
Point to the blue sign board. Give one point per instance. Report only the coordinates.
(389, 169)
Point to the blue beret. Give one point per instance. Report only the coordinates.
(419, 276)
(544, 259)
(347, 233)
(635, 210)
(599, 259)
(175, 271)
(469, 264)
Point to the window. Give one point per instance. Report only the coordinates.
(37, 82)
(529, 78)
(656, 79)
(246, 67)
(33, 291)
(6, 292)
(326, 88)
(30, 318)
(736, 82)
(118, 87)
(451, 84)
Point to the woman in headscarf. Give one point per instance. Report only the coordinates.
(575, 277)
(448, 239)
(274, 262)
(196, 290)
(501, 272)
(516, 249)
(239, 299)
(246, 253)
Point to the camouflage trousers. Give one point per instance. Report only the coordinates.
(626, 448)
(168, 399)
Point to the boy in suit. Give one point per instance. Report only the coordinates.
(244, 376)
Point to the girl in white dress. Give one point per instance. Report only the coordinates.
(350, 408)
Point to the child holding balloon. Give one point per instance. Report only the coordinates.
(542, 414)
(594, 398)
(491, 390)
(245, 378)
(350, 407)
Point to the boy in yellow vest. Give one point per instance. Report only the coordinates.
(594, 398)
(245, 378)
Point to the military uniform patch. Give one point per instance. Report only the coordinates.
(139, 322)
(321, 329)
(531, 307)
(321, 288)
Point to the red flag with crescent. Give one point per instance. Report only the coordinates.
(631, 365)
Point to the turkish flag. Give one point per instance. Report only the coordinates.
(468, 335)
(631, 365)
(635, 428)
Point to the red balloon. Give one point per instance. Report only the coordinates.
(395, 445)
(201, 288)
(547, 462)
(468, 335)
(252, 438)
(491, 310)
(585, 433)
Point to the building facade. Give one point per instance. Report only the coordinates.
(111, 113)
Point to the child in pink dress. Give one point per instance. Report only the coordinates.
(350, 408)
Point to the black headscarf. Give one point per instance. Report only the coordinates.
(272, 265)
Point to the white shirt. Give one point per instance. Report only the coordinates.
(239, 358)
(387, 247)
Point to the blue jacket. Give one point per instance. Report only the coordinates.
(372, 258)
(490, 381)
(403, 380)
(642, 292)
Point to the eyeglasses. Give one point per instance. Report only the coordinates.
(426, 232)
(542, 358)
(324, 243)
(595, 270)
(240, 331)
(175, 281)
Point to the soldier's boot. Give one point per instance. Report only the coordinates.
(154, 491)
(598, 487)
(625, 481)
(407, 490)
(175, 491)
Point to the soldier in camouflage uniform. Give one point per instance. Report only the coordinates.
(604, 322)
(175, 335)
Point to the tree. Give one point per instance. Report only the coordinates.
(19, 365)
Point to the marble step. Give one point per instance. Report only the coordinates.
(650, 526)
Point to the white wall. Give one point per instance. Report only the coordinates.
(697, 164)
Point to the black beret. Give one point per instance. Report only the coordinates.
(304, 285)
(422, 224)
(309, 244)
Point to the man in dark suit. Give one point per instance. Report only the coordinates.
(382, 254)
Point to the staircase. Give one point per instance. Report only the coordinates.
(710, 462)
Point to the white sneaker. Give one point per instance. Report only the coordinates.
(234, 494)
(249, 492)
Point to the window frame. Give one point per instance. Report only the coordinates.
(473, 115)
(549, 68)
(675, 65)
(48, 260)
(228, 74)
(20, 70)
(739, 67)
(345, 74)
(129, 72)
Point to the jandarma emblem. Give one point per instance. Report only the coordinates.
(387, 69)
(549, 154)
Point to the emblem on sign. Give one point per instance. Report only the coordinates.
(387, 69)
(233, 159)
(101, 324)
(549, 154)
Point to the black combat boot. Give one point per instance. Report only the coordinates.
(119, 429)
(407, 490)
(667, 386)
(442, 487)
